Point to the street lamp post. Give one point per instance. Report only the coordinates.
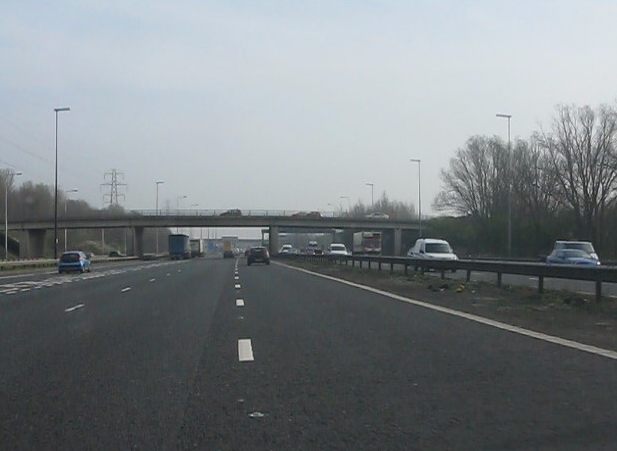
(508, 117)
(348, 203)
(416, 160)
(6, 212)
(191, 228)
(65, 202)
(178, 208)
(57, 110)
(158, 182)
(372, 199)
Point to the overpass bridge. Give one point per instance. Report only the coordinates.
(36, 229)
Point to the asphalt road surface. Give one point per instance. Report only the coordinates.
(192, 356)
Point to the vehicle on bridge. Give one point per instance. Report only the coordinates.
(232, 212)
(179, 246)
(366, 243)
(304, 214)
(377, 215)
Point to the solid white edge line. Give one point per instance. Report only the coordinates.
(478, 319)
(239, 302)
(245, 350)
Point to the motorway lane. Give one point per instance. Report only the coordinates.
(336, 367)
(114, 373)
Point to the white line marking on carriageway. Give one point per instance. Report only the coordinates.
(75, 307)
(239, 302)
(478, 319)
(151, 280)
(124, 290)
(245, 350)
(237, 286)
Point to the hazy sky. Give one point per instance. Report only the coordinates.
(284, 104)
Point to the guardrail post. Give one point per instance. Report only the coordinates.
(443, 274)
(360, 264)
(369, 265)
(468, 277)
(353, 263)
(379, 265)
(406, 271)
(598, 289)
(541, 284)
(391, 268)
(499, 280)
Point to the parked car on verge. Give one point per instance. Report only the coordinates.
(585, 246)
(258, 254)
(377, 216)
(571, 257)
(337, 249)
(73, 261)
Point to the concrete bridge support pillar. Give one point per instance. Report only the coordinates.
(138, 241)
(35, 243)
(397, 242)
(273, 233)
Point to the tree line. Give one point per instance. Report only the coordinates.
(36, 200)
(561, 183)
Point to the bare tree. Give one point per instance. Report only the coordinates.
(476, 182)
(583, 159)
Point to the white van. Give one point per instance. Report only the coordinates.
(432, 248)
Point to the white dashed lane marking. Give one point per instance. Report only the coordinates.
(245, 350)
(75, 307)
(237, 286)
(239, 302)
(124, 290)
(151, 280)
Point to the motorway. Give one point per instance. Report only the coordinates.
(199, 355)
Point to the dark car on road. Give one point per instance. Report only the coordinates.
(258, 254)
(73, 261)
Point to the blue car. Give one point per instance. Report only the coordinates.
(73, 261)
(571, 257)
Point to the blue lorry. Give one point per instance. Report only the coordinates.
(179, 246)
